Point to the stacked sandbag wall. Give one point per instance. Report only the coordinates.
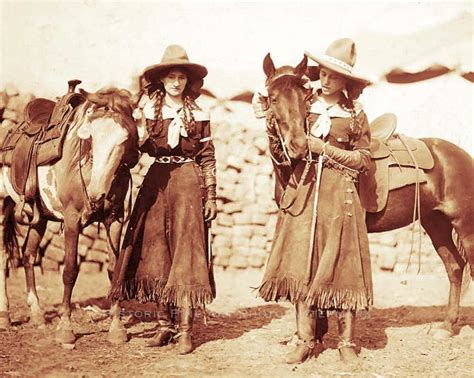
(244, 228)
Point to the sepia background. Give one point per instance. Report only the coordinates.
(419, 56)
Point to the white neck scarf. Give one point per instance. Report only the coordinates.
(321, 127)
(176, 127)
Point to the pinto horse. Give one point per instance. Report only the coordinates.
(446, 199)
(88, 183)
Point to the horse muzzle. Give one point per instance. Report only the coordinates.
(297, 148)
(97, 203)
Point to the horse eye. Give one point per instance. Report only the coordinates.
(274, 100)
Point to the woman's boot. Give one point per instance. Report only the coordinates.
(185, 327)
(305, 326)
(346, 325)
(166, 329)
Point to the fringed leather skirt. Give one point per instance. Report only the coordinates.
(163, 258)
(336, 273)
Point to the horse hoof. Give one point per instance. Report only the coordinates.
(117, 337)
(65, 336)
(441, 334)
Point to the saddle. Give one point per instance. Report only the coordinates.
(397, 161)
(36, 141)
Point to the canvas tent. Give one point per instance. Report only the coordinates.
(438, 50)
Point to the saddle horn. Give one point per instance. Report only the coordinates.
(72, 84)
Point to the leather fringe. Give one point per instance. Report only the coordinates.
(154, 290)
(143, 290)
(187, 296)
(336, 299)
(286, 288)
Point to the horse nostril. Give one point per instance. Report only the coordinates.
(97, 203)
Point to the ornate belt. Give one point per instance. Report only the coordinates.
(332, 164)
(173, 160)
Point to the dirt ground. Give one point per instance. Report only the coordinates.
(243, 336)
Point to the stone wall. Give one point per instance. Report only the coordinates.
(243, 230)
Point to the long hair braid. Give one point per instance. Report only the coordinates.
(348, 105)
(155, 127)
(188, 116)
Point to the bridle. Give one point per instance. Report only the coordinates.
(90, 205)
(309, 162)
(309, 159)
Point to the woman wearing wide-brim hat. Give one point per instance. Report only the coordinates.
(165, 257)
(340, 277)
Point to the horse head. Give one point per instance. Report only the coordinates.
(112, 139)
(288, 96)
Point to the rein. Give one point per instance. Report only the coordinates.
(84, 186)
(318, 174)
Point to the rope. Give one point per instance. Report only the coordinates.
(416, 209)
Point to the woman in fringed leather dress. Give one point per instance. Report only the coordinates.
(164, 255)
(340, 272)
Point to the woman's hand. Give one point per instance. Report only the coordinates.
(316, 145)
(210, 211)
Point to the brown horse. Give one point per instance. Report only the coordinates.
(446, 199)
(88, 183)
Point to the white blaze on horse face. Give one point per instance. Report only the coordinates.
(107, 150)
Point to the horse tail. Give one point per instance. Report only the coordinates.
(466, 274)
(10, 230)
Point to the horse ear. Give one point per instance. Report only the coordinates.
(268, 66)
(300, 69)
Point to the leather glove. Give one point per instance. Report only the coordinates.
(210, 210)
(260, 103)
(350, 159)
(316, 145)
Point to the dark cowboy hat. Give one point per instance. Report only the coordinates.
(340, 57)
(175, 57)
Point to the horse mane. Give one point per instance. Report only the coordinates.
(120, 101)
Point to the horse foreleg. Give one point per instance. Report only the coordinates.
(439, 229)
(4, 314)
(117, 332)
(65, 333)
(30, 250)
(114, 231)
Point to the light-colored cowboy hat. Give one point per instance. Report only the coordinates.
(175, 56)
(340, 57)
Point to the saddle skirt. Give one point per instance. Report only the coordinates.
(396, 162)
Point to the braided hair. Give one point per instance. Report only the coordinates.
(354, 90)
(155, 89)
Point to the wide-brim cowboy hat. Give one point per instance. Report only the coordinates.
(340, 57)
(176, 57)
